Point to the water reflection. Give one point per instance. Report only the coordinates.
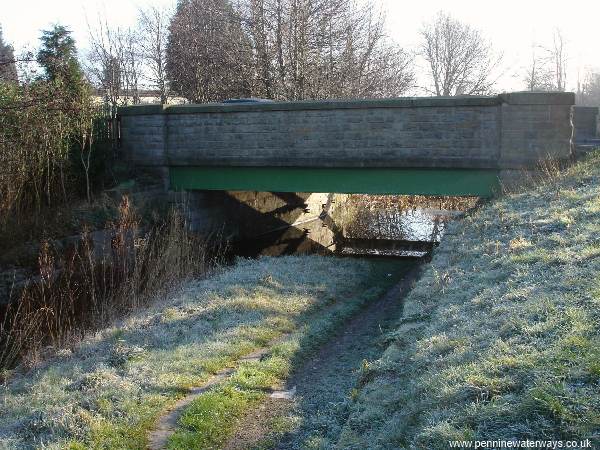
(395, 225)
(362, 225)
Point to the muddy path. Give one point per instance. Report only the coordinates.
(320, 392)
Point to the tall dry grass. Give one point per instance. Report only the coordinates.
(547, 172)
(88, 286)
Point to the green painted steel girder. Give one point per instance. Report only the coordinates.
(364, 180)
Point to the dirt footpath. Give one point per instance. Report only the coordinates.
(318, 409)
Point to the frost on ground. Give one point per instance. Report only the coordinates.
(110, 389)
(501, 337)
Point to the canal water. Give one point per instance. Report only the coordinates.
(282, 224)
(360, 225)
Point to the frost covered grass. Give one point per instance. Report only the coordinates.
(210, 419)
(108, 391)
(500, 338)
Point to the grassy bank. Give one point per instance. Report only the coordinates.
(317, 419)
(501, 337)
(108, 392)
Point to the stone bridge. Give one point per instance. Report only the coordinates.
(428, 146)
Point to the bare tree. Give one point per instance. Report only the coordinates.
(208, 53)
(83, 117)
(284, 50)
(153, 28)
(588, 91)
(548, 68)
(558, 58)
(114, 63)
(323, 49)
(461, 60)
(259, 16)
(538, 76)
(131, 62)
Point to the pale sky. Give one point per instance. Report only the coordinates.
(512, 25)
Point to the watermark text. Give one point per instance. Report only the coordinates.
(528, 443)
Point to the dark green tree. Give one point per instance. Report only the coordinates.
(208, 55)
(8, 69)
(58, 56)
(63, 75)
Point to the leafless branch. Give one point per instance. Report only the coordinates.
(460, 59)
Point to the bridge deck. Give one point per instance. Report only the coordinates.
(367, 180)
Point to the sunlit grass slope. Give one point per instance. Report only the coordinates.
(501, 337)
(209, 421)
(108, 392)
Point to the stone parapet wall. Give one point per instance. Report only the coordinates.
(585, 120)
(508, 131)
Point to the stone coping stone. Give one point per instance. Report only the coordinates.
(538, 98)
(513, 98)
(408, 102)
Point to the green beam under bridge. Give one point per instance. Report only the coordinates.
(404, 181)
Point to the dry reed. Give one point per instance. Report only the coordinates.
(90, 286)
